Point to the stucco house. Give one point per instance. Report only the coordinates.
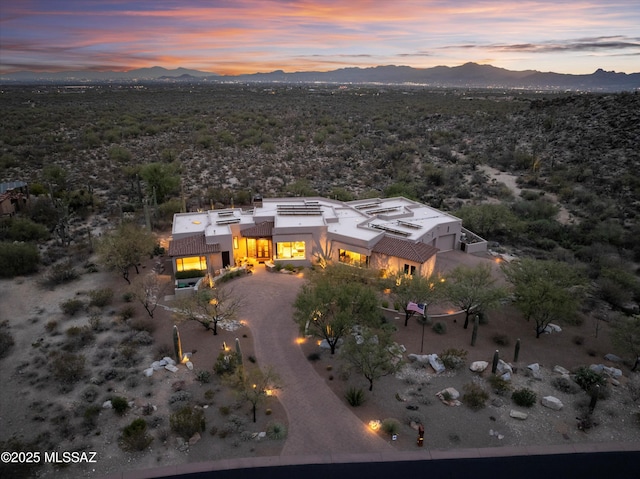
(14, 197)
(391, 234)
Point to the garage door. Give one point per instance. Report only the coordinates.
(446, 242)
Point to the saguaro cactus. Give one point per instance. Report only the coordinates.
(494, 366)
(474, 334)
(516, 352)
(177, 345)
(238, 351)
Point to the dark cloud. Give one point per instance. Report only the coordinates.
(595, 44)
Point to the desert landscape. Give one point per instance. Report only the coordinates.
(539, 175)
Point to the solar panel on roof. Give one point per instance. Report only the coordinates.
(409, 225)
(367, 205)
(388, 229)
(228, 222)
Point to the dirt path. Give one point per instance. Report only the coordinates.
(319, 423)
(563, 216)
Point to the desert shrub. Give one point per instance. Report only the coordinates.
(179, 399)
(24, 229)
(226, 363)
(90, 417)
(71, 306)
(100, 297)
(51, 326)
(18, 259)
(390, 426)
(224, 410)
(187, 421)
(128, 296)
(524, 397)
(78, 337)
(203, 376)
(578, 340)
(313, 357)
(355, 396)
(143, 324)
(90, 394)
(127, 312)
(120, 404)
(276, 431)
(475, 397)
(565, 385)
(587, 379)
(134, 436)
(499, 385)
(501, 339)
(62, 272)
(6, 339)
(66, 367)
(439, 328)
(453, 358)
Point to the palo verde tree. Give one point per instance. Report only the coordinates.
(544, 290)
(209, 306)
(334, 300)
(417, 289)
(255, 386)
(125, 247)
(473, 289)
(373, 354)
(626, 337)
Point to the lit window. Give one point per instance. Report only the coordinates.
(191, 263)
(291, 250)
(235, 242)
(352, 258)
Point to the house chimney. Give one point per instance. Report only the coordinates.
(257, 201)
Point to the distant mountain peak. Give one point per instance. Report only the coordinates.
(467, 75)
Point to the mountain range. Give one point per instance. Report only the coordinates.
(469, 75)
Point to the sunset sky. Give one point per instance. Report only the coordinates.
(247, 36)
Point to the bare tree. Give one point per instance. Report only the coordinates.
(209, 306)
(147, 290)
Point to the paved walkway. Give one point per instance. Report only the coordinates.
(319, 422)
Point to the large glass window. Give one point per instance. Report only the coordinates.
(409, 269)
(291, 250)
(191, 262)
(353, 258)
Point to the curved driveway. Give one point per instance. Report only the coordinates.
(319, 423)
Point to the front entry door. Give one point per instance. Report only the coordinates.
(263, 250)
(226, 260)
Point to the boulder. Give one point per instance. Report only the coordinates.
(168, 360)
(534, 367)
(478, 366)
(552, 403)
(506, 376)
(436, 363)
(598, 368)
(148, 372)
(262, 435)
(107, 405)
(613, 358)
(171, 367)
(449, 396)
(418, 358)
(552, 328)
(518, 415)
(503, 367)
(560, 370)
(157, 365)
(613, 372)
(189, 365)
(194, 439)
